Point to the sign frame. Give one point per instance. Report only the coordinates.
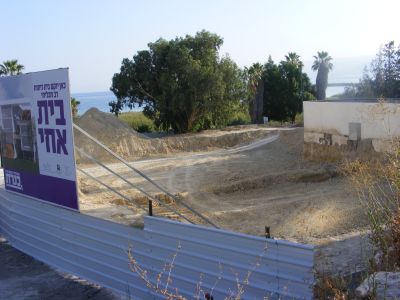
(36, 137)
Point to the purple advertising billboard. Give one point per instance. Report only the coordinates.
(36, 137)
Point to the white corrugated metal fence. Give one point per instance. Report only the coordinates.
(96, 250)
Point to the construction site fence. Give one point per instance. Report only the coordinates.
(196, 259)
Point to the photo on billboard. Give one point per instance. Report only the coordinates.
(17, 138)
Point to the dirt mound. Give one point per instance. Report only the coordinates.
(103, 125)
(362, 150)
(307, 176)
(301, 176)
(126, 142)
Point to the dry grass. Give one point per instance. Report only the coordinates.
(163, 280)
(377, 183)
(378, 186)
(334, 288)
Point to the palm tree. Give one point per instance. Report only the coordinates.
(323, 64)
(292, 71)
(294, 59)
(254, 74)
(11, 67)
(74, 106)
(256, 91)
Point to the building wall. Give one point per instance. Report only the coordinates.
(327, 124)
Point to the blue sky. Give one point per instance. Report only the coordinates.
(92, 37)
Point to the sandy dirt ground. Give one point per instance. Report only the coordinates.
(264, 183)
(22, 277)
(244, 188)
(243, 179)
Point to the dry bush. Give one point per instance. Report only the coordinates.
(378, 186)
(377, 183)
(334, 288)
(162, 285)
(159, 287)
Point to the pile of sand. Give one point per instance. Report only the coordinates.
(103, 125)
(126, 142)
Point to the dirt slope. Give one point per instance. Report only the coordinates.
(245, 189)
(120, 138)
(270, 185)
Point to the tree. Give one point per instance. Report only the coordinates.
(255, 86)
(294, 59)
(291, 71)
(382, 79)
(323, 65)
(384, 76)
(274, 106)
(285, 88)
(11, 67)
(74, 106)
(183, 84)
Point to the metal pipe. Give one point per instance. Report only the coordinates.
(143, 175)
(131, 184)
(110, 188)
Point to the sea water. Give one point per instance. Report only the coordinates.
(99, 100)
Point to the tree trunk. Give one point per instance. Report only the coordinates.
(260, 101)
(257, 105)
(322, 82)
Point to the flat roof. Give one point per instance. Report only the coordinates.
(366, 100)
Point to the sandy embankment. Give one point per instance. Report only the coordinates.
(243, 180)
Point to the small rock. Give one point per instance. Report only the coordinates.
(385, 284)
(378, 258)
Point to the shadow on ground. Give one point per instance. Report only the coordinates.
(23, 277)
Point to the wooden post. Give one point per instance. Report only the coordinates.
(267, 232)
(150, 208)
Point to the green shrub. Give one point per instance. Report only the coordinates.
(240, 117)
(143, 128)
(138, 121)
(274, 123)
(238, 122)
(299, 120)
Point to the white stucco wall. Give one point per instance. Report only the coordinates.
(378, 120)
